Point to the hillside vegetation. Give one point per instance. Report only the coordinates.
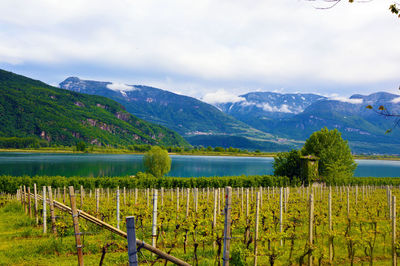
(31, 108)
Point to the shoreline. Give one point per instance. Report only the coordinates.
(223, 154)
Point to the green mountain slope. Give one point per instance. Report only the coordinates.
(198, 122)
(32, 108)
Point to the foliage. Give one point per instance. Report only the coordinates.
(287, 164)
(157, 161)
(10, 184)
(336, 160)
(81, 146)
(20, 143)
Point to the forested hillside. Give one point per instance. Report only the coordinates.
(31, 108)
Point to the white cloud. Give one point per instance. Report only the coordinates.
(396, 100)
(120, 87)
(221, 96)
(284, 108)
(347, 100)
(261, 42)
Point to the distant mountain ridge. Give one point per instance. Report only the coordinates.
(307, 113)
(261, 120)
(188, 116)
(31, 108)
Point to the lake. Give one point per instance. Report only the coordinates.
(17, 164)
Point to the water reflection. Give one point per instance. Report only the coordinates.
(31, 164)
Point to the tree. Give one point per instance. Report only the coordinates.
(384, 112)
(157, 161)
(81, 146)
(394, 8)
(287, 164)
(336, 161)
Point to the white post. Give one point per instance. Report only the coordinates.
(44, 211)
(281, 213)
(154, 228)
(117, 196)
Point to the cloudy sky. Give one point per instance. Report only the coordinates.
(213, 49)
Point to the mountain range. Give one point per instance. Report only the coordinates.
(296, 116)
(259, 120)
(31, 108)
(198, 122)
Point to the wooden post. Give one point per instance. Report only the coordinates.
(187, 201)
(227, 226)
(285, 191)
(64, 192)
(214, 223)
(390, 204)
(97, 196)
(44, 211)
(162, 196)
(131, 237)
(330, 224)
(25, 203)
(247, 203)
(52, 214)
(356, 195)
(154, 227)
(310, 228)
(219, 201)
(136, 195)
(394, 255)
(177, 201)
(124, 196)
(281, 213)
(75, 220)
(148, 197)
(21, 194)
(82, 195)
(258, 199)
(108, 194)
(29, 203)
(36, 203)
(241, 195)
(117, 199)
(196, 197)
(348, 202)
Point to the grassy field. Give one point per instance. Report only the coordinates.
(361, 233)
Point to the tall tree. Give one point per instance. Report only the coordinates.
(336, 161)
(157, 161)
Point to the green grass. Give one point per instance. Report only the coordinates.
(23, 243)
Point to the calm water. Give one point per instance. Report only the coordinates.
(17, 164)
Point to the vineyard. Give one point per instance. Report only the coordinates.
(268, 225)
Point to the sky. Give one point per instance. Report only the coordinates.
(210, 49)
